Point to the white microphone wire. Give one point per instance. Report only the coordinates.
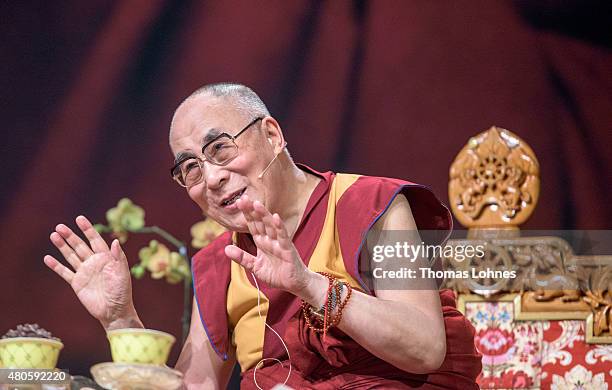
(259, 363)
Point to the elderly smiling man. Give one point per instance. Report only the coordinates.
(292, 306)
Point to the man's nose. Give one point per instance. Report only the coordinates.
(215, 176)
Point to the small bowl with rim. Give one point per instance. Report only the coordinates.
(140, 346)
(29, 352)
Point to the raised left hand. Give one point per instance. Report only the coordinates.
(277, 262)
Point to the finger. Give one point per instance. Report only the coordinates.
(243, 206)
(281, 232)
(59, 268)
(272, 248)
(266, 219)
(95, 240)
(246, 206)
(117, 252)
(266, 245)
(66, 250)
(257, 216)
(241, 257)
(271, 230)
(82, 250)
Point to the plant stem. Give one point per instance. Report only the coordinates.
(186, 320)
(156, 229)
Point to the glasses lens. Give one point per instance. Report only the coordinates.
(189, 172)
(221, 151)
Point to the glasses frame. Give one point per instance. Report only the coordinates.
(201, 160)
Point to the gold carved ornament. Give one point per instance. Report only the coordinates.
(494, 181)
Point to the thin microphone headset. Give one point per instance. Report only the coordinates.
(260, 176)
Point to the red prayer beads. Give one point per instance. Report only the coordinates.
(311, 315)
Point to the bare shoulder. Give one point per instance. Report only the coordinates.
(398, 216)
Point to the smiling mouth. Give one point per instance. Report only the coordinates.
(230, 201)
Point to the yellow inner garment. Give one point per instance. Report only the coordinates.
(247, 328)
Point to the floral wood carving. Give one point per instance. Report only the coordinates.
(598, 286)
(494, 181)
(552, 282)
(543, 266)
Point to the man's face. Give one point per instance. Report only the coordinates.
(222, 185)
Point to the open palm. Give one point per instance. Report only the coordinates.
(277, 261)
(100, 276)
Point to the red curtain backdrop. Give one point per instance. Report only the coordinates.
(391, 88)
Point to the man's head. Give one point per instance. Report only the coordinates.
(228, 108)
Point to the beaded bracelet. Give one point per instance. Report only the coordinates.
(324, 316)
(336, 295)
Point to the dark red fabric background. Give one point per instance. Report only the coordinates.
(391, 88)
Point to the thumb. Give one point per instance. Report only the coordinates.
(241, 257)
(117, 251)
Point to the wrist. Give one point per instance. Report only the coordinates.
(315, 289)
(130, 320)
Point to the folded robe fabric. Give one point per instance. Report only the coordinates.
(330, 238)
(341, 363)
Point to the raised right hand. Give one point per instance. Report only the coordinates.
(101, 277)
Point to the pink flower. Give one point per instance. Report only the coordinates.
(506, 380)
(496, 345)
(517, 380)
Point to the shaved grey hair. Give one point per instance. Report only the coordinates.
(242, 97)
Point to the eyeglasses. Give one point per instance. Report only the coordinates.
(189, 171)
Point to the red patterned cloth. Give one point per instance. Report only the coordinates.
(511, 350)
(568, 362)
(536, 354)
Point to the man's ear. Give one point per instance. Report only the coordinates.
(274, 133)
